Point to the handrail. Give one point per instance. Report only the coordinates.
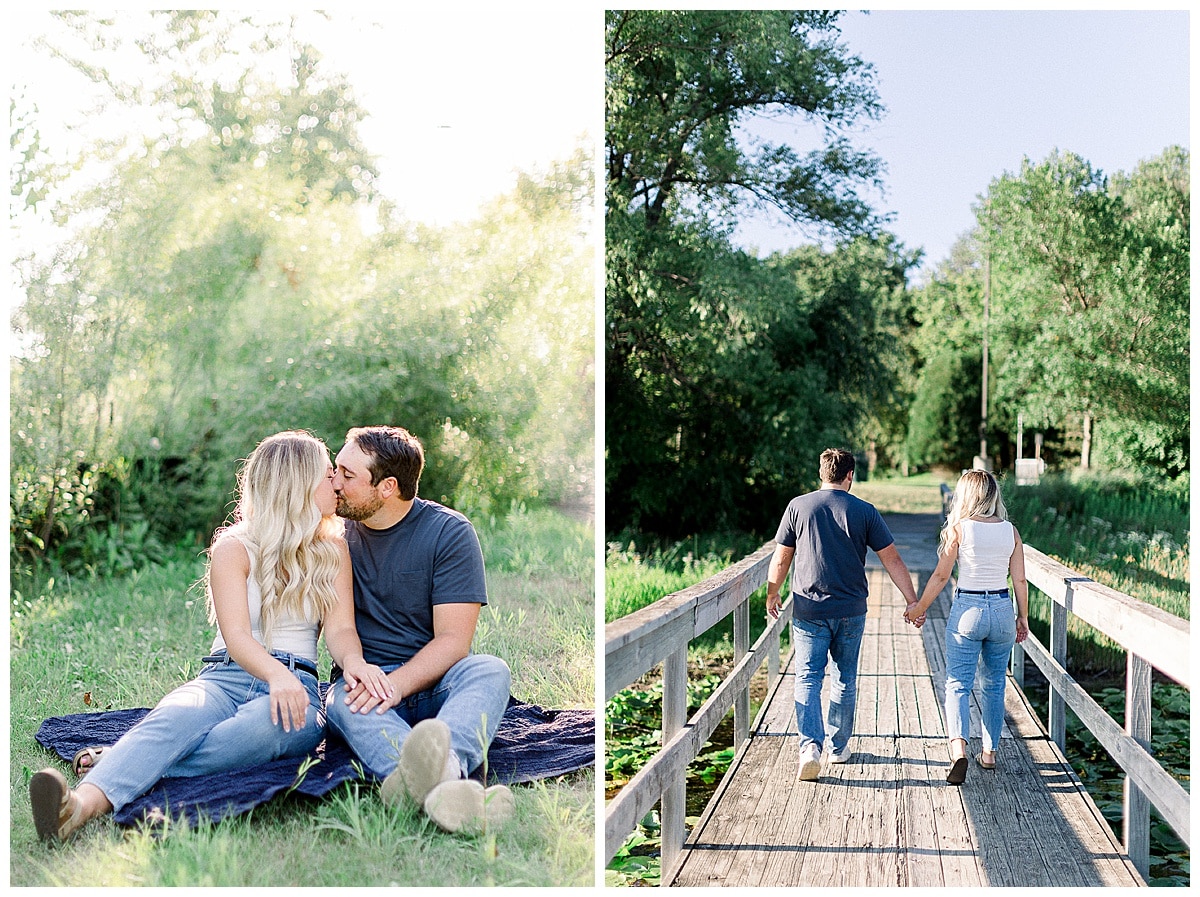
(1151, 637)
(660, 632)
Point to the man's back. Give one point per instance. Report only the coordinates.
(831, 531)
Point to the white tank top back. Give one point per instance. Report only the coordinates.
(984, 550)
(295, 635)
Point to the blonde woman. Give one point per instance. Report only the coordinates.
(987, 548)
(278, 574)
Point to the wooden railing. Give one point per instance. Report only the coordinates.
(659, 633)
(1151, 638)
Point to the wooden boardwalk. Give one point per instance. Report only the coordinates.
(888, 818)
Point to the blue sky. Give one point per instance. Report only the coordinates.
(970, 94)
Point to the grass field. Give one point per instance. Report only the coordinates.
(87, 644)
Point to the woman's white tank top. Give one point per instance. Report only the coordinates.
(984, 550)
(295, 635)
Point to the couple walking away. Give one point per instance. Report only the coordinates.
(394, 582)
(823, 539)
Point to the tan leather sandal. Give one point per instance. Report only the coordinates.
(57, 810)
(91, 754)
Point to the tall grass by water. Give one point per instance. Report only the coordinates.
(97, 642)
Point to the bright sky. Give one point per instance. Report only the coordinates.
(459, 99)
(969, 94)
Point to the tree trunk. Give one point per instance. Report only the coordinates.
(1085, 453)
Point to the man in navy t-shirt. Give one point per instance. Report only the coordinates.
(418, 589)
(827, 534)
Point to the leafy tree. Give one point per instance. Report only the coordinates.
(678, 85)
(709, 399)
(1091, 301)
(944, 416)
(1089, 280)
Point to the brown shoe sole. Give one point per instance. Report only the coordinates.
(47, 791)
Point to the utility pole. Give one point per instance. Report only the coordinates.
(982, 462)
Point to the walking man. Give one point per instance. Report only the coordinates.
(827, 534)
(418, 589)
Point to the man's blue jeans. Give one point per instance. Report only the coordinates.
(470, 699)
(220, 720)
(817, 642)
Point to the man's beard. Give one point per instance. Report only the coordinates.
(360, 511)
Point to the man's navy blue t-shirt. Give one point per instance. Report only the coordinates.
(831, 531)
(430, 557)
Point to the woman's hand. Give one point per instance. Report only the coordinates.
(1022, 629)
(289, 700)
(911, 615)
(371, 679)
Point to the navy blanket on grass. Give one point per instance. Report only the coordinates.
(531, 743)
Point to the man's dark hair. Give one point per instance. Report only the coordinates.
(393, 452)
(835, 464)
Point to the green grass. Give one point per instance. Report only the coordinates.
(85, 644)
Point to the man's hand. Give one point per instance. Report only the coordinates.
(774, 603)
(363, 694)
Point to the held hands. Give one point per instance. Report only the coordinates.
(368, 688)
(1022, 629)
(911, 616)
(289, 700)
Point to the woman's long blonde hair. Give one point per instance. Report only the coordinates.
(976, 495)
(293, 550)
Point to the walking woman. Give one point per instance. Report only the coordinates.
(274, 577)
(987, 548)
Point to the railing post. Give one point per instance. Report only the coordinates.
(773, 663)
(741, 644)
(1136, 826)
(674, 717)
(1057, 721)
(1016, 662)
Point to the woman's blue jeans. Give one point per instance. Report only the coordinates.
(469, 699)
(220, 720)
(817, 642)
(980, 632)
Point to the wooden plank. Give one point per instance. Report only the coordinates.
(637, 642)
(749, 790)
(1067, 814)
(644, 790)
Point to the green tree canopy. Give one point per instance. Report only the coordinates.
(1089, 336)
(680, 83)
(205, 295)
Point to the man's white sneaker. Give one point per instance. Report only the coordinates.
(425, 762)
(810, 763)
(842, 756)
(465, 805)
